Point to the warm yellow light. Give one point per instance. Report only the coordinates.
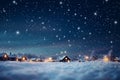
(86, 57)
(66, 58)
(106, 59)
(17, 59)
(5, 56)
(68, 61)
(48, 59)
(23, 58)
(30, 61)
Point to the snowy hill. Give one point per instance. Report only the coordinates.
(59, 71)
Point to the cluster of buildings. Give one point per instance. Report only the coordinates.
(6, 57)
(23, 58)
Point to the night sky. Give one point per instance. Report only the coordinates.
(56, 27)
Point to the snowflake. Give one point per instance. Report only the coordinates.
(83, 38)
(5, 32)
(49, 10)
(78, 28)
(68, 40)
(17, 32)
(75, 14)
(60, 2)
(109, 32)
(68, 10)
(44, 38)
(54, 29)
(4, 10)
(26, 30)
(106, 0)
(14, 2)
(64, 36)
(90, 33)
(42, 23)
(115, 22)
(85, 17)
(65, 52)
(31, 20)
(95, 13)
(69, 45)
(9, 42)
(111, 42)
(59, 39)
(56, 36)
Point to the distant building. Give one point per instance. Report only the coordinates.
(65, 59)
(22, 58)
(93, 58)
(13, 58)
(4, 57)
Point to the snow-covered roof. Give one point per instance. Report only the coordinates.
(61, 57)
(1, 54)
(11, 56)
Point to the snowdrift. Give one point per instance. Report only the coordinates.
(96, 70)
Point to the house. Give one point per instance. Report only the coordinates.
(93, 58)
(86, 58)
(65, 59)
(13, 58)
(4, 57)
(117, 59)
(21, 58)
(35, 60)
(49, 59)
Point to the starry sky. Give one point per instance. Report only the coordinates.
(56, 27)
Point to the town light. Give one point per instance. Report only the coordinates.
(50, 59)
(106, 59)
(87, 58)
(5, 56)
(23, 59)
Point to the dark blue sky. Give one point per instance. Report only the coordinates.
(53, 27)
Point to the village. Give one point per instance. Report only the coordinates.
(84, 58)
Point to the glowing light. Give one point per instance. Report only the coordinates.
(17, 59)
(23, 58)
(66, 58)
(5, 56)
(106, 59)
(50, 59)
(68, 61)
(87, 58)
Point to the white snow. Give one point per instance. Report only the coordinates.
(97, 70)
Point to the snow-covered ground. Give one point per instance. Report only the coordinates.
(97, 70)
